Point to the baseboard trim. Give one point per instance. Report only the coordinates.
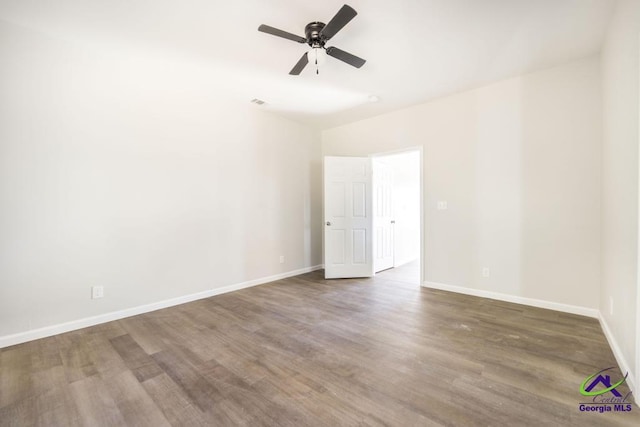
(550, 305)
(47, 331)
(617, 353)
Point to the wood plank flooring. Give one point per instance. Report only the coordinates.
(305, 351)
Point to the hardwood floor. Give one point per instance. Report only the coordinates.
(306, 351)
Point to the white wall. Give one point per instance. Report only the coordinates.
(141, 174)
(621, 73)
(519, 164)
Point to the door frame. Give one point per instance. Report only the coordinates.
(420, 150)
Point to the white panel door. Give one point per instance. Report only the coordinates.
(383, 221)
(348, 245)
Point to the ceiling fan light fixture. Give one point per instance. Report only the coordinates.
(317, 56)
(316, 35)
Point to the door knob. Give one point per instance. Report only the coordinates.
(328, 222)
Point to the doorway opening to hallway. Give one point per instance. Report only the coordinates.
(397, 225)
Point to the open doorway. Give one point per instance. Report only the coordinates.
(397, 224)
(350, 243)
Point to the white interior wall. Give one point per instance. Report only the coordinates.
(519, 164)
(140, 174)
(619, 294)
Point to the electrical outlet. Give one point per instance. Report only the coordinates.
(486, 272)
(442, 205)
(97, 292)
(281, 259)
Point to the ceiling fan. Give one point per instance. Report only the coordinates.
(317, 34)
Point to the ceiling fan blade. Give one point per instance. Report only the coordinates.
(342, 18)
(297, 69)
(276, 32)
(345, 57)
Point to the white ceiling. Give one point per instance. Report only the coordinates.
(416, 50)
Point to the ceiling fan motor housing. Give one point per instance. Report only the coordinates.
(312, 31)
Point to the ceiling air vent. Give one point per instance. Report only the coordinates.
(257, 101)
